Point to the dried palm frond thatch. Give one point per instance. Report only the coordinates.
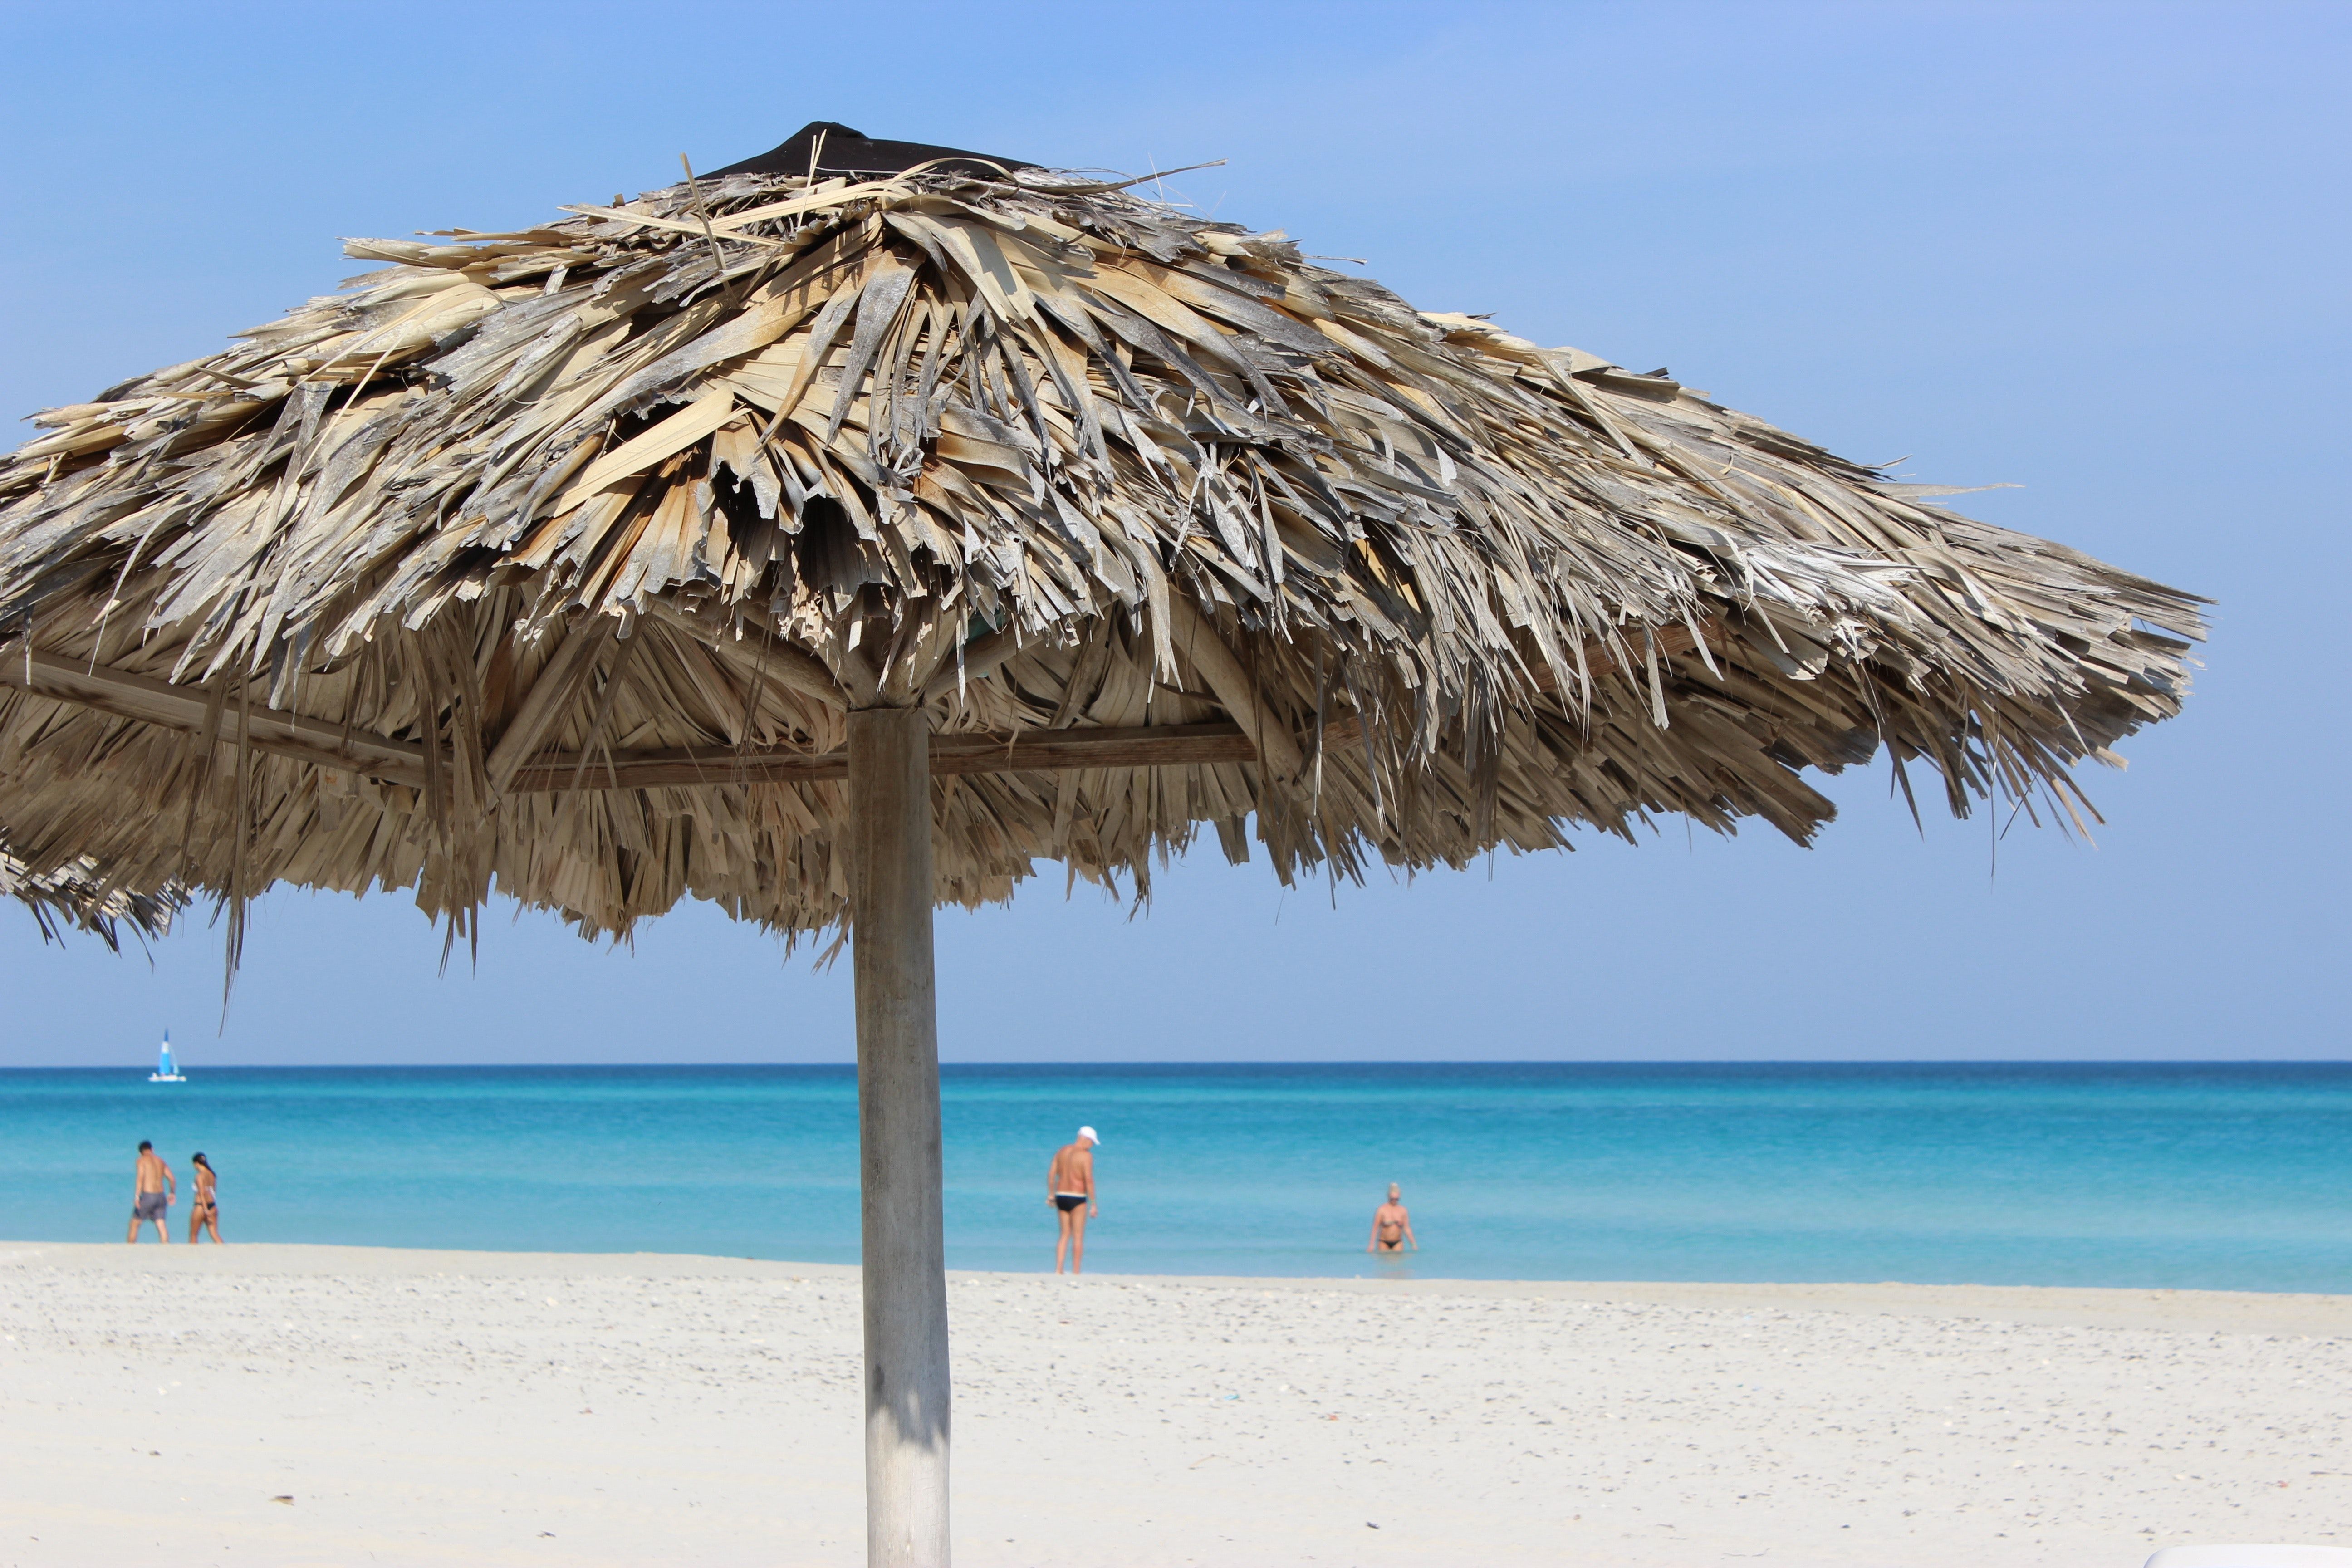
(77, 896)
(553, 560)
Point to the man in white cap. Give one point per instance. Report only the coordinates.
(1070, 1188)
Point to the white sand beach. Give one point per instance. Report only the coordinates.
(283, 1404)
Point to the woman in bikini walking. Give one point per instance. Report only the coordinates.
(205, 1214)
(1070, 1188)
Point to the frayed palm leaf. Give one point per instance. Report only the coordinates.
(76, 896)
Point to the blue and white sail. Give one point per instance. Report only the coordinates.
(164, 1072)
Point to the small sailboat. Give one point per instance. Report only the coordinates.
(164, 1072)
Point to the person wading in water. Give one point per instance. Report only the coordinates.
(1391, 1224)
(1070, 1187)
(147, 1198)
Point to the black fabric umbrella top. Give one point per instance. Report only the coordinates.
(861, 157)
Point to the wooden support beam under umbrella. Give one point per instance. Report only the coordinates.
(838, 535)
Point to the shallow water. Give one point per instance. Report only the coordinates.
(2223, 1177)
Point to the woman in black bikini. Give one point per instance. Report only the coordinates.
(205, 1212)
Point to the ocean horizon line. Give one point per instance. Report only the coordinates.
(1286, 1064)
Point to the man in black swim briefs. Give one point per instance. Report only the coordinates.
(1070, 1188)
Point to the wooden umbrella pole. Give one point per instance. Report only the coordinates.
(898, 1139)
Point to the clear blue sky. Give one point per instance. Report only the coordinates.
(2097, 251)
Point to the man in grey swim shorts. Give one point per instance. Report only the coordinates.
(149, 1198)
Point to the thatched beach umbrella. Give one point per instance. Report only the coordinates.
(836, 536)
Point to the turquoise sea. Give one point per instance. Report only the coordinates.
(2234, 1176)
